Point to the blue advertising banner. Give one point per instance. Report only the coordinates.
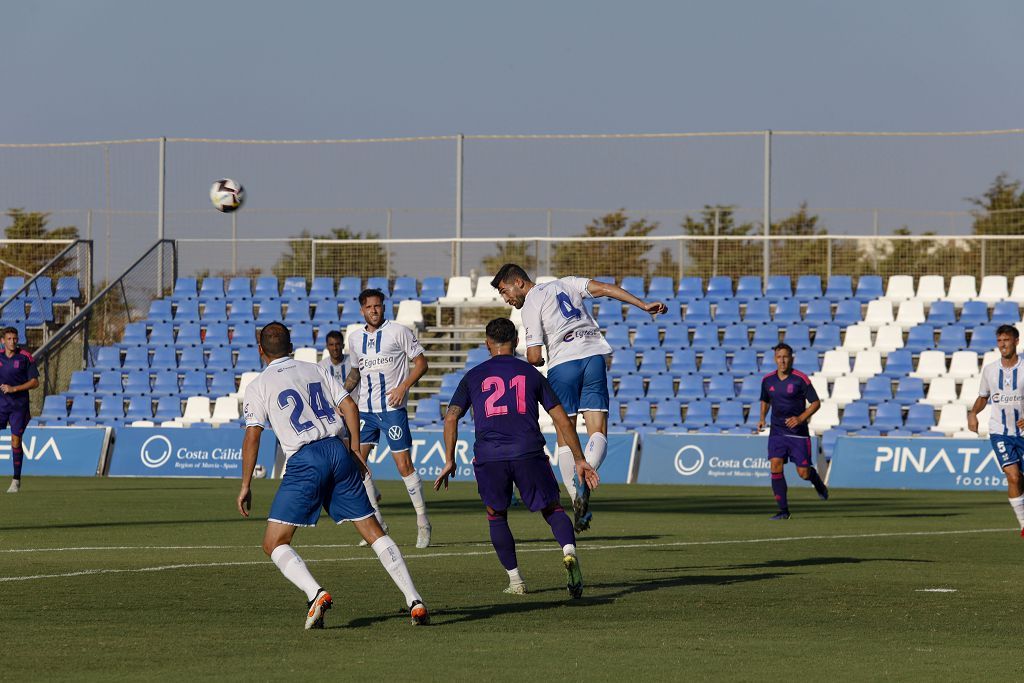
(718, 459)
(915, 463)
(184, 452)
(58, 451)
(428, 456)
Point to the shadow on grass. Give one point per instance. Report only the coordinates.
(802, 562)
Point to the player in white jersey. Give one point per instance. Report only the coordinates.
(302, 403)
(380, 356)
(1002, 386)
(556, 316)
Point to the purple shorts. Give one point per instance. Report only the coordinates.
(795, 449)
(532, 476)
(17, 419)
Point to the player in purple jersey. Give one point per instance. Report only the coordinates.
(791, 397)
(509, 450)
(18, 376)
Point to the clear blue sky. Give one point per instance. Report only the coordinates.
(81, 70)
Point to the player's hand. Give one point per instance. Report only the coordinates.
(244, 501)
(792, 422)
(584, 472)
(395, 396)
(655, 307)
(760, 426)
(972, 422)
(448, 471)
(6, 388)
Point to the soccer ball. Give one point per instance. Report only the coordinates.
(260, 472)
(227, 195)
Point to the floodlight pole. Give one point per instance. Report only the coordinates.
(767, 217)
(457, 251)
(161, 191)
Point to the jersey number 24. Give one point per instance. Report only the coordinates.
(317, 402)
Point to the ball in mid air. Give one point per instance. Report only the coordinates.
(227, 195)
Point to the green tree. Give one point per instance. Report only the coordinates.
(511, 252)
(710, 256)
(1000, 211)
(594, 254)
(27, 259)
(357, 258)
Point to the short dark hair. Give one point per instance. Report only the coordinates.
(783, 346)
(10, 330)
(275, 339)
(501, 331)
(1004, 329)
(334, 334)
(369, 293)
(507, 273)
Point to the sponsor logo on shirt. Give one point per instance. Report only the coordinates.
(1005, 398)
(376, 362)
(581, 334)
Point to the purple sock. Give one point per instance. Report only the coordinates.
(561, 527)
(17, 457)
(815, 479)
(779, 488)
(502, 540)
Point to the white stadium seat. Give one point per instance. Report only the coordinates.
(410, 314)
(1017, 293)
(888, 339)
(930, 365)
(197, 409)
(962, 288)
(542, 279)
(485, 294)
(176, 423)
(225, 410)
(820, 385)
(867, 364)
(983, 416)
(836, 364)
(941, 391)
(460, 290)
(989, 357)
(845, 390)
(247, 378)
(142, 423)
(969, 391)
(993, 289)
(964, 364)
(879, 313)
(911, 313)
(931, 288)
(307, 354)
(899, 288)
(826, 418)
(965, 434)
(858, 338)
(952, 419)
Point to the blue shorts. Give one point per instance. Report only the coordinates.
(1009, 449)
(321, 474)
(17, 419)
(394, 424)
(532, 476)
(581, 384)
(795, 449)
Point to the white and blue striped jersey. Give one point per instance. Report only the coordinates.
(1004, 389)
(297, 400)
(555, 315)
(382, 357)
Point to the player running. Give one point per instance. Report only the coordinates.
(791, 397)
(555, 316)
(18, 376)
(509, 449)
(379, 358)
(1002, 385)
(301, 402)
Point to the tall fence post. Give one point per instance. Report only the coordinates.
(234, 243)
(767, 218)
(161, 189)
(984, 242)
(547, 246)
(387, 251)
(457, 251)
(828, 259)
(312, 261)
(714, 242)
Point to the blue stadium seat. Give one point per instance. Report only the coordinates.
(431, 290)
(477, 356)
(270, 310)
(136, 358)
(727, 311)
(193, 383)
(239, 289)
(952, 338)
(302, 334)
(634, 285)
(779, 287)
(798, 336)
(136, 383)
(661, 387)
(730, 414)
(185, 288)
(294, 289)
(192, 357)
(941, 313)
(750, 389)
(1005, 313)
(167, 408)
(380, 283)
(748, 288)
(405, 288)
(428, 410)
(719, 288)
(808, 363)
(108, 358)
(160, 311)
(241, 309)
(878, 389)
(12, 283)
(55, 408)
(220, 359)
(713, 363)
(617, 335)
(111, 411)
(164, 358)
(676, 337)
(322, 288)
(684, 362)
(826, 338)
(855, 416)
(609, 311)
(661, 288)
(166, 383)
(638, 413)
(216, 335)
(215, 310)
(266, 289)
(326, 313)
(189, 334)
(449, 383)
(350, 286)
(920, 418)
(698, 312)
(139, 408)
(690, 289)
(848, 313)
(787, 311)
(888, 416)
(744, 362)
(81, 384)
(83, 407)
(67, 289)
(909, 390)
(898, 364)
(691, 387)
(653, 363)
(735, 337)
(974, 313)
(222, 384)
(134, 335)
(920, 338)
(13, 312)
(808, 287)
(248, 360)
(635, 316)
(647, 337)
(40, 312)
(668, 416)
(212, 289)
(350, 315)
(983, 338)
(721, 388)
(244, 335)
(698, 414)
(673, 316)
(109, 383)
(705, 337)
(765, 336)
(758, 311)
(41, 287)
(828, 442)
(630, 387)
(298, 311)
(839, 287)
(869, 287)
(819, 312)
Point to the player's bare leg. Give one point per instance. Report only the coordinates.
(277, 545)
(811, 474)
(414, 485)
(391, 558)
(1015, 490)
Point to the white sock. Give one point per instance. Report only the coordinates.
(371, 490)
(567, 468)
(391, 557)
(414, 485)
(597, 448)
(294, 569)
(568, 549)
(513, 575)
(1018, 509)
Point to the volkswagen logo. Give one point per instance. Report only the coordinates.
(394, 433)
(689, 463)
(155, 451)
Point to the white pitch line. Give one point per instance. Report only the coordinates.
(588, 548)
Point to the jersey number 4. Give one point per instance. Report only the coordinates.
(497, 385)
(569, 312)
(317, 402)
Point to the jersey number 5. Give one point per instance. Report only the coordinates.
(317, 402)
(497, 385)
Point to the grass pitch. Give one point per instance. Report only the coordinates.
(145, 579)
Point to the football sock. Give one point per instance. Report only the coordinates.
(561, 526)
(1018, 509)
(17, 456)
(371, 490)
(569, 549)
(414, 485)
(391, 557)
(513, 576)
(815, 479)
(597, 448)
(503, 542)
(779, 488)
(567, 468)
(295, 570)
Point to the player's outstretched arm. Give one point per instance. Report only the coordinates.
(451, 436)
(598, 288)
(972, 415)
(250, 449)
(567, 431)
(350, 414)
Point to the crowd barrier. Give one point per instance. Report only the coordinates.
(59, 451)
(154, 452)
